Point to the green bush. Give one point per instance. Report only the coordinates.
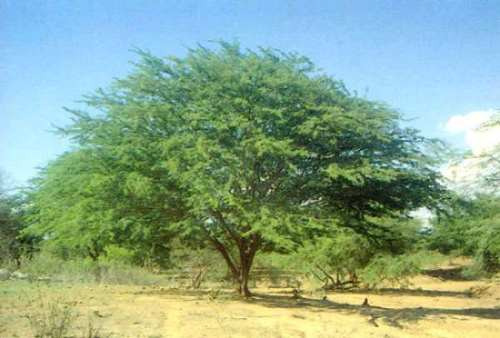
(335, 260)
(392, 270)
(471, 228)
(347, 259)
(118, 254)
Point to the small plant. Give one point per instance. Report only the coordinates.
(92, 331)
(213, 294)
(50, 318)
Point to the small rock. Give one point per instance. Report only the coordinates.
(43, 279)
(19, 275)
(4, 274)
(101, 315)
(98, 314)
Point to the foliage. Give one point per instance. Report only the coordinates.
(62, 192)
(74, 207)
(12, 210)
(335, 260)
(345, 259)
(244, 150)
(9, 229)
(472, 228)
(395, 270)
(119, 255)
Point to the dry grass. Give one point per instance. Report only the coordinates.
(433, 307)
(49, 318)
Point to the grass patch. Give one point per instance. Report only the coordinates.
(53, 268)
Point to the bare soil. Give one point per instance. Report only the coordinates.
(438, 304)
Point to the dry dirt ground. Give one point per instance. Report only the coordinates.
(438, 304)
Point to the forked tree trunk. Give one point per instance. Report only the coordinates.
(240, 272)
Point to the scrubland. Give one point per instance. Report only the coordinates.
(437, 303)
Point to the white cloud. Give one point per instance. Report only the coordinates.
(477, 139)
(466, 174)
(467, 122)
(481, 141)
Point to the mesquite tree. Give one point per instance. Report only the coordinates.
(246, 151)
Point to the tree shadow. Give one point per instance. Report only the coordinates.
(392, 316)
(195, 294)
(453, 274)
(411, 292)
(401, 292)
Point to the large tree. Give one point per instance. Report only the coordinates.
(245, 150)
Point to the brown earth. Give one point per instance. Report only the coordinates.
(438, 305)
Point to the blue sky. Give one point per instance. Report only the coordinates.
(429, 59)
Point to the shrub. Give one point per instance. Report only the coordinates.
(107, 271)
(471, 228)
(394, 270)
(118, 254)
(50, 318)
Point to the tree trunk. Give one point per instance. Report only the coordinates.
(247, 248)
(244, 276)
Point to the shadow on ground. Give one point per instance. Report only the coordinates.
(452, 274)
(392, 316)
(404, 292)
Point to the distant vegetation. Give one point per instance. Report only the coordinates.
(243, 157)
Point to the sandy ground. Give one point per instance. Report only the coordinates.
(433, 307)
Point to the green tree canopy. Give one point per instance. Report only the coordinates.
(245, 150)
(472, 228)
(12, 205)
(81, 209)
